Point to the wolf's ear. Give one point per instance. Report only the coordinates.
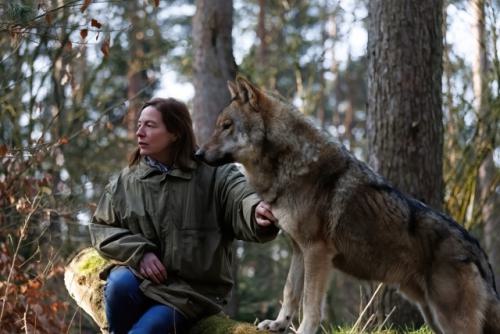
(233, 89)
(248, 92)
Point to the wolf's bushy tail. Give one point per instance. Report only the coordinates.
(492, 313)
(492, 317)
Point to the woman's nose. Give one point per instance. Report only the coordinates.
(139, 133)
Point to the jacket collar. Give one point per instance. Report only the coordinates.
(144, 171)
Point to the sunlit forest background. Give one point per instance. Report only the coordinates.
(73, 75)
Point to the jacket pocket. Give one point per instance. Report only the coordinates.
(200, 254)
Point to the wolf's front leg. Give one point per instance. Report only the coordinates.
(317, 268)
(292, 294)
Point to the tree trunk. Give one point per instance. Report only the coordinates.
(81, 278)
(263, 37)
(404, 124)
(451, 129)
(486, 195)
(328, 34)
(213, 66)
(213, 63)
(136, 75)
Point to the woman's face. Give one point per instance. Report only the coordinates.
(153, 138)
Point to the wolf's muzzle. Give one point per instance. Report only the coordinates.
(200, 154)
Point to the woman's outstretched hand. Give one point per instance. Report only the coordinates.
(263, 215)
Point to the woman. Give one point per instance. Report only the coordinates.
(168, 222)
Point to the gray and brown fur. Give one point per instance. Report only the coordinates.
(339, 213)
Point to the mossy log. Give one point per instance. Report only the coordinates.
(82, 281)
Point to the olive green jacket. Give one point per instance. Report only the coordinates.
(189, 220)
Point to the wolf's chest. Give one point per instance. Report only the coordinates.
(285, 219)
(290, 224)
(302, 223)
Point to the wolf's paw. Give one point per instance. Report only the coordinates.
(273, 325)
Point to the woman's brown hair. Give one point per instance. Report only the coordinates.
(175, 116)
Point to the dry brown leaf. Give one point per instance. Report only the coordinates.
(63, 141)
(48, 18)
(84, 33)
(105, 47)
(85, 5)
(95, 23)
(3, 150)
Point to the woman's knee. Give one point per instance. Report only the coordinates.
(121, 282)
(160, 319)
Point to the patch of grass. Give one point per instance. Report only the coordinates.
(349, 330)
(220, 324)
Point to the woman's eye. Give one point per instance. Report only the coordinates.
(147, 125)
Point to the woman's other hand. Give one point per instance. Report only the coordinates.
(152, 268)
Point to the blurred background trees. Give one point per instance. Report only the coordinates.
(73, 75)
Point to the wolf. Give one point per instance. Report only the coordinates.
(340, 214)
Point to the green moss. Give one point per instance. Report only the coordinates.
(219, 324)
(91, 262)
(215, 324)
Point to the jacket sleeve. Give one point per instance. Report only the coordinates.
(238, 201)
(110, 236)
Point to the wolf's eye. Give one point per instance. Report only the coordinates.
(226, 125)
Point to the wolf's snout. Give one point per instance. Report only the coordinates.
(200, 154)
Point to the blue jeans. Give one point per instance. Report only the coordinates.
(129, 311)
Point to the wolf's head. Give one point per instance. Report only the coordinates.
(240, 130)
